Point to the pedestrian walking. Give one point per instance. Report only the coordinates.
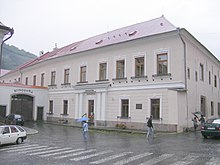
(202, 120)
(85, 130)
(150, 127)
(195, 123)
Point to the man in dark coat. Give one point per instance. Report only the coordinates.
(150, 127)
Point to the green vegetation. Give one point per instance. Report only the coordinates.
(14, 57)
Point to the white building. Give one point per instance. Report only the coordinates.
(124, 76)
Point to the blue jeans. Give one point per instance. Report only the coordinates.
(150, 131)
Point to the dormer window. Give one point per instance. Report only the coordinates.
(99, 41)
(73, 48)
(132, 33)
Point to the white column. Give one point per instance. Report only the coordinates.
(77, 106)
(103, 106)
(98, 106)
(80, 107)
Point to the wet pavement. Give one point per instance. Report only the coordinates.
(110, 147)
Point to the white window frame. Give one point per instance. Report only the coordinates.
(149, 105)
(161, 51)
(79, 70)
(115, 64)
(100, 62)
(63, 74)
(119, 105)
(138, 55)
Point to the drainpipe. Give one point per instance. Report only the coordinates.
(185, 76)
(11, 31)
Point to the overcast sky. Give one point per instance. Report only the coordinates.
(39, 24)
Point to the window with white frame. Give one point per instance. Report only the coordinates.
(65, 107)
(120, 69)
(162, 64)
(51, 107)
(102, 71)
(26, 80)
(124, 108)
(42, 79)
(34, 80)
(139, 67)
(83, 74)
(201, 72)
(53, 77)
(155, 108)
(66, 76)
(212, 108)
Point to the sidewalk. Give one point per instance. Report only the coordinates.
(111, 129)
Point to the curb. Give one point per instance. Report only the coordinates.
(30, 131)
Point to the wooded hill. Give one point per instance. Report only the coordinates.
(12, 57)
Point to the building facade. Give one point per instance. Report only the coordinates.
(121, 77)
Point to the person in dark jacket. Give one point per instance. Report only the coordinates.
(150, 127)
(202, 120)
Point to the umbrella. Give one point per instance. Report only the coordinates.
(83, 119)
(197, 113)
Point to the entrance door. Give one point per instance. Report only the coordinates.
(40, 112)
(203, 100)
(91, 111)
(2, 111)
(23, 105)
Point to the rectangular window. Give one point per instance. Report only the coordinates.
(209, 78)
(66, 76)
(26, 81)
(201, 72)
(53, 77)
(138, 106)
(19, 79)
(51, 107)
(196, 76)
(42, 79)
(162, 64)
(124, 108)
(212, 108)
(120, 69)
(188, 73)
(34, 80)
(83, 74)
(102, 71)
(139, 67)
(155, 108)
(65, 107)
(215, 81)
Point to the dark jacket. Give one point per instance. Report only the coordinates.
(149, 123)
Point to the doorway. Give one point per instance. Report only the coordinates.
(23, 105)
(2, 111)
(40, 113)
(203, 104)
(91, 111)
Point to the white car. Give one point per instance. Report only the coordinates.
(12, 134)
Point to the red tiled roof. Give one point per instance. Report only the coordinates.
(144, 29)
(21, 85)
